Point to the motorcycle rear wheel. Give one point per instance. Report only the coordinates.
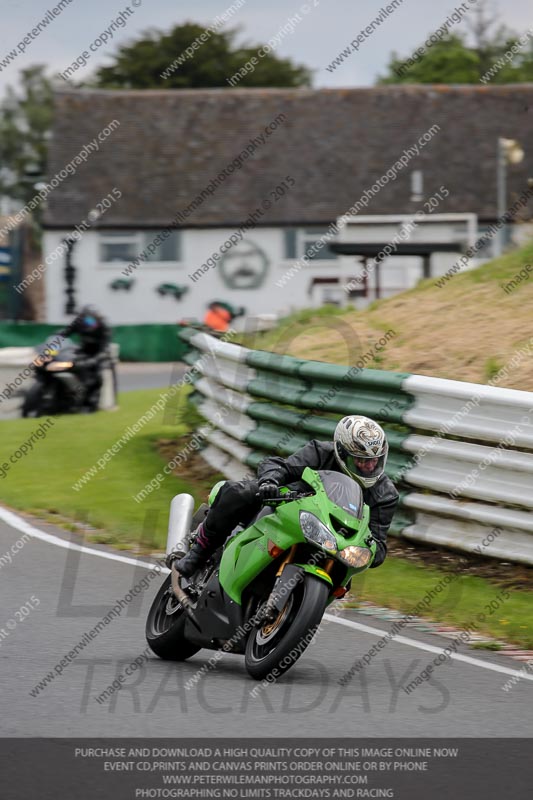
(165, 625)
(273, 649)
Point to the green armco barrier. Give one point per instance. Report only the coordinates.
(137, 342)
(191, 357)
(353, 376)
(276, 440)
(254, 459)
(322, 427)
(328, 373)
(397, 465)
(383, 405)
(399, 522)
(186, 332)
(316, 384)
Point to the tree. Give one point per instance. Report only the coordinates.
(145, 63)
(448, 61)
(25, 122)
(453, 59)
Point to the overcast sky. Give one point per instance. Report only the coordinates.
(324, 31)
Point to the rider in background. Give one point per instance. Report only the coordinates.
(95, 338)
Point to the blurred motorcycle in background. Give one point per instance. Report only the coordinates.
(59, 385)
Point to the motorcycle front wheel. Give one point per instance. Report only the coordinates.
(273, 648)
(165, 625)
(33, 402)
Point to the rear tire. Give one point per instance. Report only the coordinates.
(273, 649)
(165, 625)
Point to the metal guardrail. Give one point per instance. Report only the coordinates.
(461, 453)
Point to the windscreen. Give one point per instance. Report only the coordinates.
(343, 491)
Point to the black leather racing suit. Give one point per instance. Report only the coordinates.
(237, 503)
(93, 348)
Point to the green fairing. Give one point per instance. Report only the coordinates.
(246, 555)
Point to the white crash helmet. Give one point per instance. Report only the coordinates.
(361, 449)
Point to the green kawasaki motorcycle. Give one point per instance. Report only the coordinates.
(264, 593)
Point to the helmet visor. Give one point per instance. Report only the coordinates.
(362, 466)
(89, 322)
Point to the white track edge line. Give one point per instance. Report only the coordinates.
(429, 647)
(20, 524)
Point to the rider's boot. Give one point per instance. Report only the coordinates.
(202, 549)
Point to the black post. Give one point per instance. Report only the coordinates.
(14, 301)
(70, 275)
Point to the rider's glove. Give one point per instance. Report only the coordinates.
(268, 490)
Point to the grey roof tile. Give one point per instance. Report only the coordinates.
(334, 142)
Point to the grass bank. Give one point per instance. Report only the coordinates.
(42, 481)
(468, 329)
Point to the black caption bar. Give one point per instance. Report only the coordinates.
(139, 769)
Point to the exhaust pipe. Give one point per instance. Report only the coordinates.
(179, 528)
(179, 523)
(183, 597)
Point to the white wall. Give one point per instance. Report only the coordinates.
(143, 304)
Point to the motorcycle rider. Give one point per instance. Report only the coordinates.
(95, 337)
(359, 449)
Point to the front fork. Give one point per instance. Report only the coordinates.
(288, 576)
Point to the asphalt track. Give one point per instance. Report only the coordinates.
(77, 589)
(134, 375)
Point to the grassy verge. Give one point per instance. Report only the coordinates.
(401, 584)
(42, 481)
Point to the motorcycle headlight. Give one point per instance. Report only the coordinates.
(316, 532)
(355, 556)
(57, 366)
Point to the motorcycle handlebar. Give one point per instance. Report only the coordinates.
(284, 498)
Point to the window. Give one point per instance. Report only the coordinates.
(125, 246)
(298, 243)
(118, 246)
(167, 250)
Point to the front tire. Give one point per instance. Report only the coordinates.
(33, 401)
(273, 649)
(165, 625)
